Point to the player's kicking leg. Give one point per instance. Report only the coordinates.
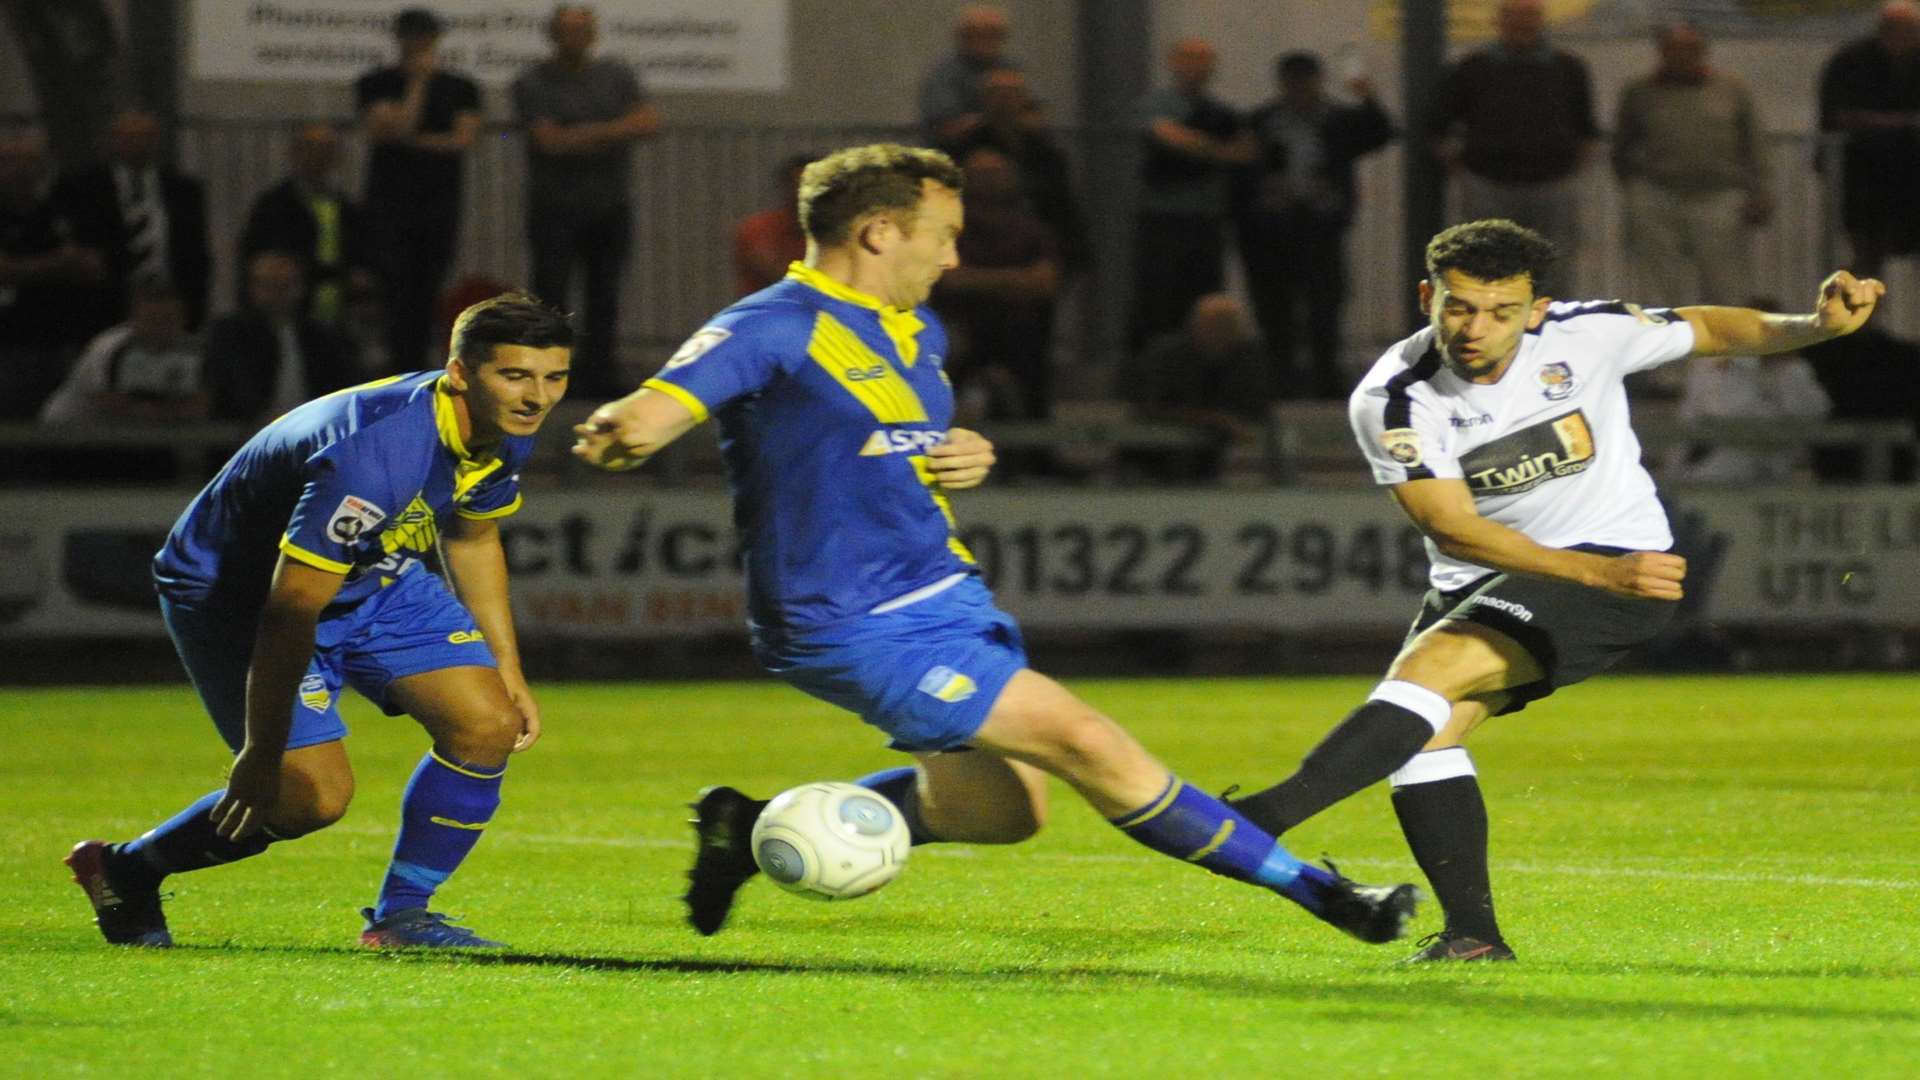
(122, 881)
(1038, 721)
(447, 804)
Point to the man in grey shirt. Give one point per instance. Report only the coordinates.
(952, 99)
(582, 116)
(1687, 151)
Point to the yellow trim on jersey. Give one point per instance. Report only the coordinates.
(682, 395)
(476, 826)
(488, 515)
(902, 326)
(863, 373)
(300, 554)
(464, 771)
(925, 472)
(374, 385)
(445, 420)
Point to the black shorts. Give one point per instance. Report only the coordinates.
(1572, 631)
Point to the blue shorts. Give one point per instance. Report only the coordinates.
(414, 625)
(927, 674)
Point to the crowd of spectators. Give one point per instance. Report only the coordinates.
(106, 272)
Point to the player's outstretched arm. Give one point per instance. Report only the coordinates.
(478, 566)
(1444, 510)
(1844, 305)
(282, 649)
(963, 461)
(623, 434)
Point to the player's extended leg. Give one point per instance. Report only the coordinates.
(1436, 796)
(1038, 721)
(449, 801)
(1449, 662)
(122, 881)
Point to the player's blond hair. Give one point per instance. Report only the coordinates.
(847, 185)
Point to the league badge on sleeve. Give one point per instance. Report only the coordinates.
(1557, 379)
(1402, 444)
(353, 518)
(697, 346)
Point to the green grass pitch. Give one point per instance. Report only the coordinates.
(1704, 877)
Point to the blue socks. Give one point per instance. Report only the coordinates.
(1187, 823)
(185, 841)
(446, 806)
(901, 786)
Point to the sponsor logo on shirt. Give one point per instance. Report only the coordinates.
(352, 519)
(901, 442)
(1402, 444)
(1557, 379)
(697, 346)
(314, 693)
(1518, 611)
(1519, 462)
(465, 637)
(1470, 421)
(947, 684)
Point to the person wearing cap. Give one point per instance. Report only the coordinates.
(420, 120)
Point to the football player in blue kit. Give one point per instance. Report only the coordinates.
(834, 421)
(300, 570)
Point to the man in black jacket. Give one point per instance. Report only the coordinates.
(1293, 224)
(149, 219)
(309, 217)
(269, 356)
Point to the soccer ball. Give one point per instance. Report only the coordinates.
(830, 841)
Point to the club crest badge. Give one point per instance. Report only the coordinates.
(1402, 445)
(696, 346)
(1556, 380)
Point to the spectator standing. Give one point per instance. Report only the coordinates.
(999, 303)
(270, 355)
(582, 116)
(147, 369)
(420, 120)
(1012, 123)
(149, 218)
(1777, 387)
(1870, 92)
(952, 102)
(308, 216)
(1212, 375)
(767, 241)
(1514, 127)
(1687, 151)
(46, 277)
(1193, 143)
(1293, 228)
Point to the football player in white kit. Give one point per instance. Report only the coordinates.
(1502, 431)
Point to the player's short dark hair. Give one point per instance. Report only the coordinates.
(418, 22)
(1298, 64)
(508, 319)
(1491, 250)
(846, 185)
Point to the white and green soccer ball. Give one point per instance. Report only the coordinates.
(830, 841)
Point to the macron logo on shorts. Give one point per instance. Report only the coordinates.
(947, 684)
(1518, 611)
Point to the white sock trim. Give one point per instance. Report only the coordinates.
(1416, 699)
(1431, 765)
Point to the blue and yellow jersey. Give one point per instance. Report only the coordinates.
(356, 482)
(827, 402)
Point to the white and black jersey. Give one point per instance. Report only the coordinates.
(1548, 450)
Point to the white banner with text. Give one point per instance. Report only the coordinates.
(735, 46)
(654, 565)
